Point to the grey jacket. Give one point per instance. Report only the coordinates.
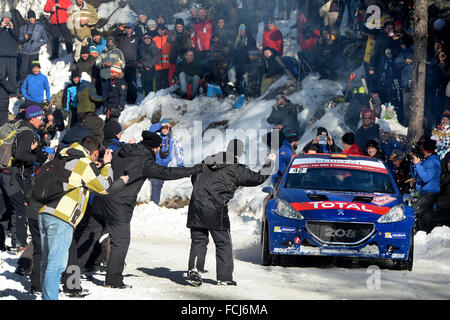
(38, 37)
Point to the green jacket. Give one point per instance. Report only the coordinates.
(87, 96)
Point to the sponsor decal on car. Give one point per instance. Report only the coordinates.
(338, 163)
(395, 235)
(284, 229)
(382, 200)
(398, 255)
(335, 205)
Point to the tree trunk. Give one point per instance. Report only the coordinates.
(415, 129)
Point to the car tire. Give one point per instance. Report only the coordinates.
(267, 258)
(408, 263)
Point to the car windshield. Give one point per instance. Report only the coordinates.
(339, 179)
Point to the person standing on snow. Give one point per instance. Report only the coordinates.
(208, 209)
(35, 85)
(170, 149)
(139, 161)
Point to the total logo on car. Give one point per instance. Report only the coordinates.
(337, 205)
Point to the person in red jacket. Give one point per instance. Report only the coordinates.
(201, 35)
(58, 28)
(163, 64)
(349, 145)
(272, 37)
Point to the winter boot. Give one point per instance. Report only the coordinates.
(195, 278)
(226, 283)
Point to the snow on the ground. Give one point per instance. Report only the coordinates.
(158, 254)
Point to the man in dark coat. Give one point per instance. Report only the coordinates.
(369, 129)
(117, 210)
(189, 71)
(9, 38)
(208, 211)
(148, 57)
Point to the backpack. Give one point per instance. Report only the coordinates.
(8, 134)
(48, 181)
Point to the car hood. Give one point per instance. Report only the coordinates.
(329, 205)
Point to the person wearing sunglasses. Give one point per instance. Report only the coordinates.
(369, 130)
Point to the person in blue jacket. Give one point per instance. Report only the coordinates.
(427, 174)
(285, 153)
(35, 85)
(171, 149)
(32, 36)
(388, 144)
(70, 99)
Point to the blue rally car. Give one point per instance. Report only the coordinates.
(337, 205)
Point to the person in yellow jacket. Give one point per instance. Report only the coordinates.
(58, 218)
(82, 20)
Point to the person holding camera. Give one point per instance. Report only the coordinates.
(32, 36)
(426, 173)
(322, 143)
(9, 39)
(59, 16)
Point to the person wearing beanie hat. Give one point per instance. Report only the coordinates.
(137, 161)
(322, 143)
(170, 154)
(15, 181)
(441, 133)
(208, 209)
(272, 36)
(86, 63)
(285, 153)
(95, 125)
(117, 93)
(349, 145)
(401, 171)
(426, 173)
(180, 40)
(142, 27)
(87, 96)
(373, 150)
(113, 133)
(35, 85)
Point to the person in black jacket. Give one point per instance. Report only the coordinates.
(189, 71)
(322, 143)
(15, 181)
(272, 71)
(148, 57)
(208, 210)
(9, 39)
(139, 161)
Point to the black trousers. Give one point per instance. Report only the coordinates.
(131, 79)
(58, 31)
(147, 80)
(8, 69)
(91, 232)
(423, 209)
(12, 189)
(119, 233)
(35, 276)
(224, 252)
(162, 79)
(4, 111)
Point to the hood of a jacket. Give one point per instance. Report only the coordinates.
(133, 150)
(75, 150)
(220, 160)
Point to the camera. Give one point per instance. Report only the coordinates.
(323, 139)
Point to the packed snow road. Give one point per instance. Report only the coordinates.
(157, 262)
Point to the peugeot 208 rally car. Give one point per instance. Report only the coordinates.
(337, 205)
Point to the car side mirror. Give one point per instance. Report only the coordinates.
(268, 189)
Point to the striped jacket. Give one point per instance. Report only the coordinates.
(81, 176)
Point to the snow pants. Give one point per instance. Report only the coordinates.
(224, 252)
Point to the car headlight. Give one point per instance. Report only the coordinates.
(396, 214)
(285, 209)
